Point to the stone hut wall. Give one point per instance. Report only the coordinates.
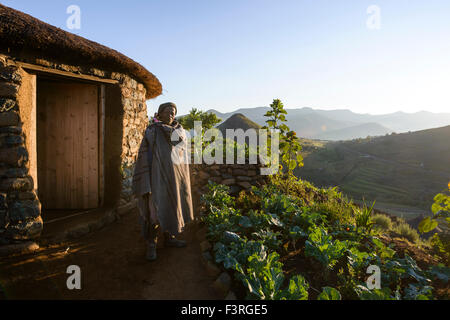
(20, 208)
(135, 122)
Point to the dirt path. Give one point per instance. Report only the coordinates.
(112, 267)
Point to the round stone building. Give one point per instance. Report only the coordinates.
(72, 116)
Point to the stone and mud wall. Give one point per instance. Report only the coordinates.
(125, 122)
(237, 176)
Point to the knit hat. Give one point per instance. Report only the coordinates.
(166, 105)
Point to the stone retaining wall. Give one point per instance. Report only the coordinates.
(237, 176)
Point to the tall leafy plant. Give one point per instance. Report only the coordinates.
(289, 143)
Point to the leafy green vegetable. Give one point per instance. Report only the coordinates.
(321, 246)
(329, 293)
(427, 225)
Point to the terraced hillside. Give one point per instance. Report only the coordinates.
(401, 172)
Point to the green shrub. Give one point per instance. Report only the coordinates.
(382, 222)
(340, 211)
(362, 217)
(405, 230)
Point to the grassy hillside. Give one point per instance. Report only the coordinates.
(402, 172)
(429, 149)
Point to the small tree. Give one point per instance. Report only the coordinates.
(289, 143)
(208, 119)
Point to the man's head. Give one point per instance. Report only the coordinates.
(167, 112)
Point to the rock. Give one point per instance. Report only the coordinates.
(24, 195)
(45, 63)
(230, 296)
(216, 179)
(10, 73)
(212, 269)
(98, 73)
(243, 178)
(203, 175)
(11, 141)
(13, 130)
(8, 119)
(19, 248)
(23, 210)
(244, 184)
(227, 176)
(251, 173)
(229, 181)
(222, 284)
(16, 184)
(215, 173)
(13, 172)
(3, 204)
(25, 230)
(27, 195)
(17, 156)
(3, 219)
(8, 90)
(7, 105)
(205, 245)
(239, 172)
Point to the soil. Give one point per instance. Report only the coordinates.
(113, 266)
(423, 258)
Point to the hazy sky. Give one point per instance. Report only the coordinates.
(230, 54)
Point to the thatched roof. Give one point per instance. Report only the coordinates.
(25, 35)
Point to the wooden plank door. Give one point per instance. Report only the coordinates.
(68, 145)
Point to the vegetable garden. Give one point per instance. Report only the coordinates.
(309, 243)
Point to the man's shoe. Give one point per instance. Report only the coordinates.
(151, 252)
(173, 242)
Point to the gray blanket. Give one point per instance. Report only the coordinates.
(168, 181)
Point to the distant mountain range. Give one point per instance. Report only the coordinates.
(345, 124)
